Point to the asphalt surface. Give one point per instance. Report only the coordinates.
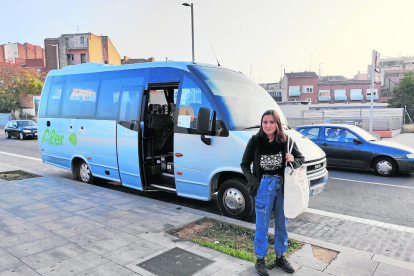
(352, 193)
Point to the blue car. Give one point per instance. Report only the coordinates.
(351, 147)
(21, 129)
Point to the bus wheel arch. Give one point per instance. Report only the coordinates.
(233, 199)
(81, 170)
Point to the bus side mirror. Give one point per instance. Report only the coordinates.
(203, 124)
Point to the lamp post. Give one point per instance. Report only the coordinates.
(57, 54)
(192, 24)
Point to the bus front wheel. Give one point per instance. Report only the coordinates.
(85, 174)
(234, 201)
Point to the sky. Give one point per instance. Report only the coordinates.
(260, 38)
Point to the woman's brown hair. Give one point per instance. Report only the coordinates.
(280, 135)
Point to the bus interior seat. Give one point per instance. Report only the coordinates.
(162, 126)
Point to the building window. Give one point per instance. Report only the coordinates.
(292, 100)
(82, 40)
(375, 96)
(276, 95)
(308, 100)
(356, 94)
(294, 90)
(307, 89)
(70, 56)
(324, 95)
(340, 95)
(83, 58)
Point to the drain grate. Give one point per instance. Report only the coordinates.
(17, 175)
(175, 262)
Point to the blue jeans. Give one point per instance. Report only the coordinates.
(270, 197)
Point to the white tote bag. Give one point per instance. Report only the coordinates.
(296, 188)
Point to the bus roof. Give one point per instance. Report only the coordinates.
(93, 67)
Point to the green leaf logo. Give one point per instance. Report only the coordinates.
(73, 139)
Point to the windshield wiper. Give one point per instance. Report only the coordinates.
(256, 126)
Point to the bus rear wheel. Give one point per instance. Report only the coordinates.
(85, 174)
(234, 201)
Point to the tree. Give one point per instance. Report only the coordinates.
(403, 94)
(16, 81)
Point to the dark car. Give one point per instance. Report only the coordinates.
(348, 146)
(21, 129)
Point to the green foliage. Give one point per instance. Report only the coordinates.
(16, 81)
(403, 94)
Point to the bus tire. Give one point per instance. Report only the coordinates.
(234, 201)
(84, 172)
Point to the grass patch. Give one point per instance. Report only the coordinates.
(408, 128)
(228, 238)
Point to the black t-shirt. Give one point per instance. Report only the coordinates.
(271, 158)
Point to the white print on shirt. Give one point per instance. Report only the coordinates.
(271, 162)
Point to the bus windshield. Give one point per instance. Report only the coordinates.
(241, 100)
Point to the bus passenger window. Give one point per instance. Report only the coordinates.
(191, 99)
(53, 101)
(79, 100)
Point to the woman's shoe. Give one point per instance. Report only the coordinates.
(261, 267)
(284, 264)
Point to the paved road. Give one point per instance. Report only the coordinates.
(359, 194)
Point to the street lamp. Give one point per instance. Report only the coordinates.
(192, 24)
(57, 54)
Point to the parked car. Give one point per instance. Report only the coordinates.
(21, 129)
(348, 146)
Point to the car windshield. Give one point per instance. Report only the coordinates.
(364, 134)
(241, 100)
(26, 123)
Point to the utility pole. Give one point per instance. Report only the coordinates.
(374, 69)
(251, 70)
(320, 69)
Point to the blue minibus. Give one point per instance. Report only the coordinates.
(180, 127)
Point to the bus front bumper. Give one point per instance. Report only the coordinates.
(317, 182)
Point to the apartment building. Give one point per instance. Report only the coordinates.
(392, 71)
(25, 55)
(79, 48)
(307, 86)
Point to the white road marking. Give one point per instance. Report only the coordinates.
(372, 183)
(361, 220)
(18, 155)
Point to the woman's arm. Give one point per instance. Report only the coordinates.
(247, 160)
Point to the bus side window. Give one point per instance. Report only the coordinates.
(108, 99)
(109, 90)
(53, 101)
(79, 100)
(191, 99)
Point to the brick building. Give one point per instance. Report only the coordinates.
(302, 86)
(307, 86)
(80, 48)
(26, 55)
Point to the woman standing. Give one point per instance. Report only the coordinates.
(267, 151)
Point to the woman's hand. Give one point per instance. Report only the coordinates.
(289, 157)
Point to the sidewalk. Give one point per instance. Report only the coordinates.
(56, 226)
